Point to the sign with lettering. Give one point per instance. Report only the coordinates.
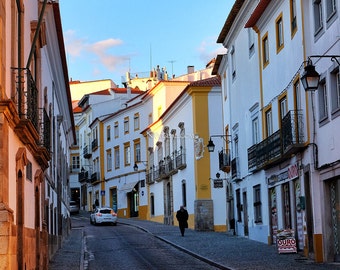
(218, 183)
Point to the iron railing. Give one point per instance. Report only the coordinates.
(27, 105)
(280, 145)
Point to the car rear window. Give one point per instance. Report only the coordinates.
(105, 211)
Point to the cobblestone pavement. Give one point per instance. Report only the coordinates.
(219, 249)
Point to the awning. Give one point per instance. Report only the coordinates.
(128, 187)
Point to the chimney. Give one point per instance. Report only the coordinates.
(191, 69)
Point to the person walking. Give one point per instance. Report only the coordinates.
(182, 217)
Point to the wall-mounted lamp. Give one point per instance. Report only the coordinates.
(135, 167)
(211, 145)
(310, 77)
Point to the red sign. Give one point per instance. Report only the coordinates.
(286, 245)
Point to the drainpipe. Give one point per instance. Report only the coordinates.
(20, 75)
(36, 34)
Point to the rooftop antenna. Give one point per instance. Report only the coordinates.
(172, 67)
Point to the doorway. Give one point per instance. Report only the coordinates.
(245, 213)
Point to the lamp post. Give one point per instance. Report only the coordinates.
(310, 77)
(135, 167)
(211, 145)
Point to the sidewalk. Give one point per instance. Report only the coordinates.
(227, 251)
(218, 249)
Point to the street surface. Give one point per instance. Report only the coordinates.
(126, 247)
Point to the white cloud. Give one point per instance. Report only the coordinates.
(209, 49)
(74, 46)
(99, 52)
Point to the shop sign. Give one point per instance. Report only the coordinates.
(286, 242)
(218, 183)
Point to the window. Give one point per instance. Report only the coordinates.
(184, 193)
(29, 170)
(75, 162)
(126, 125)
(269, 122)
(251, 41)
(279, 34)
(94, 138)
(283, 107)
(137, 150)
(238, 205)
(293, 22)
(255, 130)
(117, 159)
(317, 8)
(297, 95)
(127, 154)
(257, 204)
(109, 160)
(254, 110)
(265, 50)
(335, 90)
(233, 62)
(152, 204)
(330, 8)
(108, 133)
(136, 121)
(116, 130)
(322, 91)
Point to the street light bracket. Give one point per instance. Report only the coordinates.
(211, 145)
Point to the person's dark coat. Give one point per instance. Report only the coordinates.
(182, 217)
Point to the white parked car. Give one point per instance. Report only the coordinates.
(103, 215)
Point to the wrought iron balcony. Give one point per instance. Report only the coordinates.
(170, 166)
(94, 177)
(235, 169)
(180, 162)
(292, 132)
(150, 176)
(86, 153)
(280, 145)
(224, 160)
(33, 120)
(94, 144)
(83, 176)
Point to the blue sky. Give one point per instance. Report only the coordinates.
(106, 38)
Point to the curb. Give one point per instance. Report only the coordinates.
(197, 256)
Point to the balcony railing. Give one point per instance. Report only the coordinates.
(94, 177)
(86, 153)
(83, 176)
(94, 144)
(280, 145)
(224, 160)
(167, 167)
(180, 162)
(292, 131)
(150, 176)
(26, 101)
(235, 169)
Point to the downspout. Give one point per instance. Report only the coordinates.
(20, 71)
(36, 34)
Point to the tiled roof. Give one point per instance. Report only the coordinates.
(213, 81)
(257, 13)
(230, 20)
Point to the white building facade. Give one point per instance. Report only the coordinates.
(271, 120)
